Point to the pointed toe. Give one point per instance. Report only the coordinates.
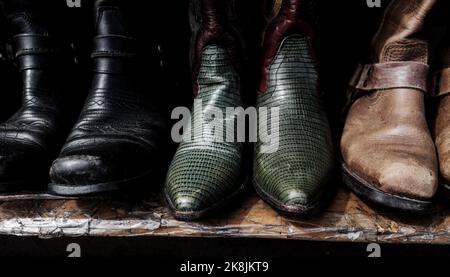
(186, 204)
(295, 197)
(409, 180)
(78, 170)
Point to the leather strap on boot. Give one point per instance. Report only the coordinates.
(33, 50)
(390, 75)
(386, 76)
(114, 46)
(441, 83)
(113, 54)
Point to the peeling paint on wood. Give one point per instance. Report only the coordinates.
(347, 219)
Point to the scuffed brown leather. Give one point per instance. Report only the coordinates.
(391, 75)
(386, 138)
(442, 122)
(397, 37)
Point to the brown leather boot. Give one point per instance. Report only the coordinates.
(388, 153)
(442, 122)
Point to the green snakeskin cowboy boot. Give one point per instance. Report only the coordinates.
(205, 173)
(292, 175)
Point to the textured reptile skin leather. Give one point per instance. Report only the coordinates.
(119, 138)
(30, 139)
(204, 173)
(294, 177)
(286, 20)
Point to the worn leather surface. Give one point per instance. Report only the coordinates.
(31, 138)
(297, 173)
(386, 139)
(119, 135)
(442, 120)
(205, 172)
(390, 75)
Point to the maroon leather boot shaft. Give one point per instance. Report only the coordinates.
(210, 22)
(286, 20)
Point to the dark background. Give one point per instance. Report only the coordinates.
(202, 249)
(343, 33)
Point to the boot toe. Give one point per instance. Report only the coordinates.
(408, 180)
(294, 196)
(194, 198)
(80, 170)
(200, 180)
(187, 203)
(292, 184)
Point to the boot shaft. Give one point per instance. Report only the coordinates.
(38, 55)
(114, 47)
(110, 19)
(213, 22)
(209, 15)
(286, 18)
(400, 36)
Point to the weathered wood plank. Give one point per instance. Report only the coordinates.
(31, 196)
(347, 219)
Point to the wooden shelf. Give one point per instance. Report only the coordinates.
(347, 219)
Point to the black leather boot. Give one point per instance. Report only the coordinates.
(32, 137)
(119, 139)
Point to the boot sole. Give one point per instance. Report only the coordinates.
(322, 201)
(73, 191)
(196, 215)
(365, 190)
